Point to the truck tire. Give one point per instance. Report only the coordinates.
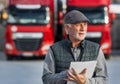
(9, 57)
(107, 56)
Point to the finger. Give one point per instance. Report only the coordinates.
(66, 79)
(75, 72)
(70, 75)
(84, 71)
(71, 79)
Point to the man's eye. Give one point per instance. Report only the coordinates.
(85, 24)
(77, 24)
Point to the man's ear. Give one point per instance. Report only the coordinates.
(66, 28)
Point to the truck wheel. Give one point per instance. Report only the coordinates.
(9, 57)
(107, 56)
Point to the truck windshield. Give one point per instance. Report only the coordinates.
(28, 16)
(96, 15)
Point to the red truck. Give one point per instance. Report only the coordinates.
(30, 28)
(100, 20)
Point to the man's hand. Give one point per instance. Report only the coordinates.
(79, 78)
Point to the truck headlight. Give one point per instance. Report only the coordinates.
(105, 45)
(45, 47)
(8, 46)
(93, 34)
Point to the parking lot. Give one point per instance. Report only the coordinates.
(30, 71)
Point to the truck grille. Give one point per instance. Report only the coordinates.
(97, 40)
(27, 44)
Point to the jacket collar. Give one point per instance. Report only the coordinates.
(69, 43)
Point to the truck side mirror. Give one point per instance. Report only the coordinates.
(112, 16)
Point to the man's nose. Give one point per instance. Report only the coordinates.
(81, 27)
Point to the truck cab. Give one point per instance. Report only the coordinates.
(99, 28)
(29, 28)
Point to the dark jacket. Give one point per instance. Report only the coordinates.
(64, 56)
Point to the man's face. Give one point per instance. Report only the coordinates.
(77, 31)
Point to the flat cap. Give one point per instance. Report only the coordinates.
(74, 16)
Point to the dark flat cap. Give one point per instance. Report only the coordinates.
(74, 16)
